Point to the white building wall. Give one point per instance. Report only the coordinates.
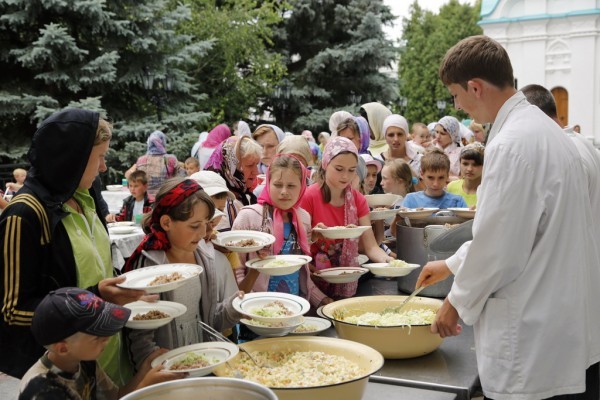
(553, 43)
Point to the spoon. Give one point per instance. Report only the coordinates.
(405, 302)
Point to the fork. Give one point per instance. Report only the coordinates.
(217, 335)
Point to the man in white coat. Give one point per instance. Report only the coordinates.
(522, 280)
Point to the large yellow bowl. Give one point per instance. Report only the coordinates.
(392, 341)
(368, 359)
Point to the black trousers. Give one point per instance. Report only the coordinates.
(592, 387)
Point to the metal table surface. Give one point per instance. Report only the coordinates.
(381, 391)
(451, 368)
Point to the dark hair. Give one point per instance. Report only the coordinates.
(220, 196)
(138, 176)
(473, 155)
(477, 57)
(542, 98)
(435, 160)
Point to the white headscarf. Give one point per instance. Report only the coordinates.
(377, 113)
(278, 132)
(397, 121)
(337, 118)
(243, 129)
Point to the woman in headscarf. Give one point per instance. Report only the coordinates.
(242, 129)
(357, 130)
(158, 165)
(448, 138)
(215, 137)
(334, 202)
(395, 129)
(375, 114)
(336, 119)
(269, 137)
(53, 237)
(323, 138)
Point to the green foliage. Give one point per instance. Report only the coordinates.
(427, 37)
(332, 48)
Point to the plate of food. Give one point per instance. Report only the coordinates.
(463, 212)
(380, 213)
(283, 264)
(197, 359)
(272, 329)
(152, 315)
(341, 274)
(350, 231)
(312, 326)
(160, 278)
(244, 241)
(392, 269)
(271, 306)
(121, 230)
(120, 223)
(416, 213)
(382, 200)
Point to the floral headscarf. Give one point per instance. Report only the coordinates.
(216, 136)
(157, 143)
(265, 197)
(334, 147)
(365, 134)
(376, 114)
(157, 238)
(452, 126)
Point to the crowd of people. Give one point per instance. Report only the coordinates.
(508, 280)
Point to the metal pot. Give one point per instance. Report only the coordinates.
(205, 388)
(412, 246)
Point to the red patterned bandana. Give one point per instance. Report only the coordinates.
(157, 238)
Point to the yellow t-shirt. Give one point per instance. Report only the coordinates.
(456, 187)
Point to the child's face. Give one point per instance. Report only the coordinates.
(137, 189)
(442, 137)
(395, 138)
(284, 187)
(350, 134)
(184, 236)
(341, 171)
(20, 177)
(191, 168)
(85, 347)
(421, 135)
(371, 178)
(435, 182)
(469, 170)
(391, 184)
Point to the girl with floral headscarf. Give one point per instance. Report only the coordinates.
(448, 138)
(333, 202)
(278, 212)
(177, 228)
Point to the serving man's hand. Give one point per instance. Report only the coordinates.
(446, 321)
(432, 273)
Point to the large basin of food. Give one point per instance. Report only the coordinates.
(204, 388)
(307, 367)
(372, 320)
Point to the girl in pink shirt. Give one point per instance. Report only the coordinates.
(333, 202)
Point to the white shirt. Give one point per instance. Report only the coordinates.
(522, 282)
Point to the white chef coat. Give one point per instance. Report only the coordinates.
(522, 282)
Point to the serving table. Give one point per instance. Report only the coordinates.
(451, 369)
(114, 199)
(122, 246)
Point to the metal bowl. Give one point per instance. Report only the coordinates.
(205, 388)
(392, 341)
(368, 359)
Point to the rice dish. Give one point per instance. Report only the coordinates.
(423, 316)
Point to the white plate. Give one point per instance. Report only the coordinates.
(320, 325)
(382, 200)
(383, 214)
(140, 278)
(252, 301)
(342, 233)
(121, 230)
(416, 213)
(292, 264)
(281, 329)
(384, 269)
(362, 259)
(221, 351)
(463, 212)
(173, 309)
(264, 239)
(114, 188)
(341, 274)
(120, 223)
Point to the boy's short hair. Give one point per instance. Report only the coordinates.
(435, 160)
(66, 311)
(19, 171)
(477, 57)
(138, 176)
(193, 161)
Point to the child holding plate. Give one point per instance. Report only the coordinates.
(278, 213)
(177, 225)
(332, 203)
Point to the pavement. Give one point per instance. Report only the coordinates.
(9, 387)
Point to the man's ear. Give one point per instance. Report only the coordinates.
(165, 222)
(476, 86)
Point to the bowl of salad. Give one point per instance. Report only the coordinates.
(375, 322)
